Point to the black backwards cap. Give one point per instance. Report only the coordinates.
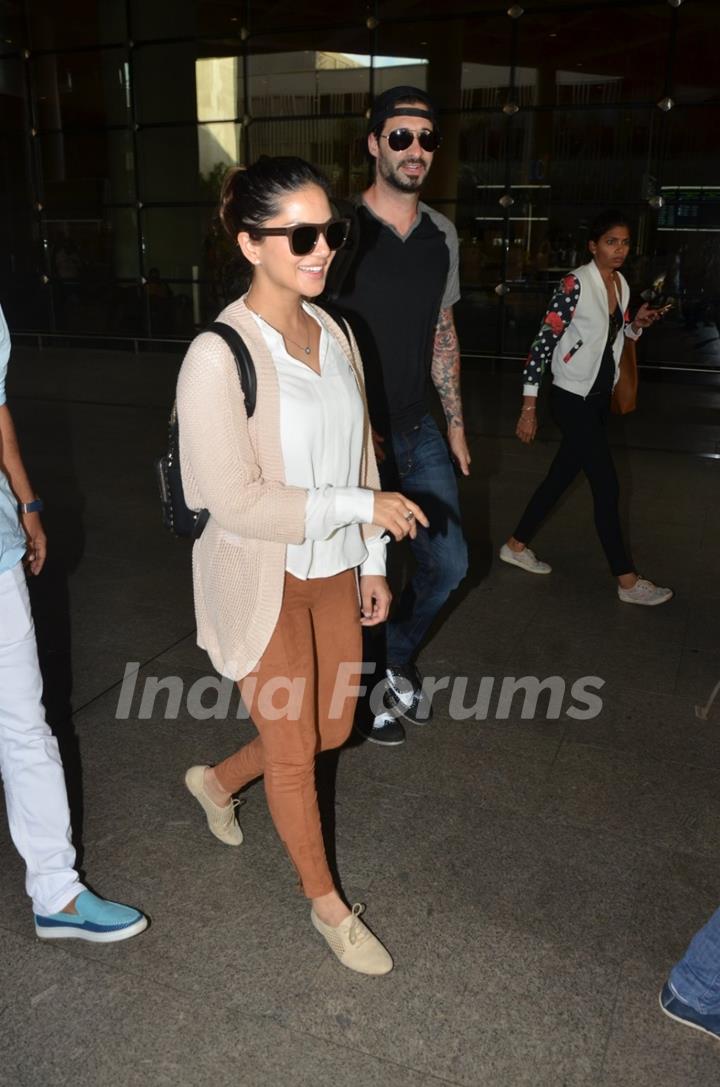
(385, 105)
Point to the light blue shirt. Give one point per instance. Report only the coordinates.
(12, 537)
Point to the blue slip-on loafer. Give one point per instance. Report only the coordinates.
(708, 1022)
(96, 920)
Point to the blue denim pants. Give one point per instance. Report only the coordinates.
(696, 978)
(418, 464)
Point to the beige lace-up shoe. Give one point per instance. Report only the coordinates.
(222, 821)
(354, 944)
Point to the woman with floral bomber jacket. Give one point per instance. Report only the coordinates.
(582, 336)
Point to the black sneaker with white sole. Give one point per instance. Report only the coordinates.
(384, 729)
(405, 695)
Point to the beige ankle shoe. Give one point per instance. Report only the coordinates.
(354, 944)
(221, 820)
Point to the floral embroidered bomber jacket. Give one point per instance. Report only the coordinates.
(574, 333)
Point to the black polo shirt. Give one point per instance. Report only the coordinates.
(392, 294)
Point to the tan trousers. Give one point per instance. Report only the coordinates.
(298, 701)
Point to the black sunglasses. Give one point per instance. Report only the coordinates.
(402, 138)
(303, 237)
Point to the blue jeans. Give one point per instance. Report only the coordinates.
(418, 464)
(696, 978)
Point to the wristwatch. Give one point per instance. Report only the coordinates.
(36, 506)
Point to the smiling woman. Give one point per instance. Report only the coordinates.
(295, 515)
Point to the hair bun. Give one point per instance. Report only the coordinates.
(250, 196)
(234, 182)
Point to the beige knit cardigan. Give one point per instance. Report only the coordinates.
(233, 466)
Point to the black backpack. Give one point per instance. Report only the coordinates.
(177, 517)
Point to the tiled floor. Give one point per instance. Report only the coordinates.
(535, 874)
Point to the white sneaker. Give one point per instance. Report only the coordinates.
(644, 592)
(525, 559)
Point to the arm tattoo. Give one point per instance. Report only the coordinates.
(445, 370)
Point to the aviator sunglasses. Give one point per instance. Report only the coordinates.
(303, 237)
(402, 138)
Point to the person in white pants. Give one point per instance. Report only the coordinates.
(32, 773)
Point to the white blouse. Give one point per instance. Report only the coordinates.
(321, 429)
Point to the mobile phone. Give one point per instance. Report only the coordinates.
(655, 297)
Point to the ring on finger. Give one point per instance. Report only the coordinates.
(409, 516)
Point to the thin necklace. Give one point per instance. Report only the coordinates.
(306, 350)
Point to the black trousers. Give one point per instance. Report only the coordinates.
(584, 447)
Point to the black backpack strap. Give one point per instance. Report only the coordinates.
(200, 522)
(334, 312)
(243, 361)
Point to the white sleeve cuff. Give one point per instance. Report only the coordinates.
(375, 561)
(354, 505)
(530, 390)
(329, 508)
(631, 333)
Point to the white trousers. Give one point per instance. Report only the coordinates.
(32, 772)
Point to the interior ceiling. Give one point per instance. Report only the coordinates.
(605, 37)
